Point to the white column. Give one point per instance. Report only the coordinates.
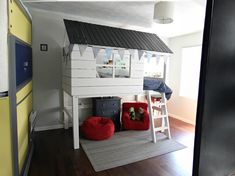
(75, 123)
(151, 117)
(3, 47)
(136, 97)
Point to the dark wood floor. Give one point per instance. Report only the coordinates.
(54, 156)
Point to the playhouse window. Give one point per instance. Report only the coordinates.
(113, 67)
(154, 66)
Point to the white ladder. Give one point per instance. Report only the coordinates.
(158, 110)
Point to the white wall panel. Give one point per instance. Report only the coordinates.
(87, 55)
(80, 73)
(47, 80)
(106, 91)
(87, 64)
(137, 73)
(178, 106)
(102, 82)
(3, 47)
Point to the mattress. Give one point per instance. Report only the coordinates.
(158, 85)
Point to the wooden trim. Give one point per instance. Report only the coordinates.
(24, 91)
(78, 73)
(97, 82)
(81, 64)
(105, 90)
(75, 111)
(49, 127)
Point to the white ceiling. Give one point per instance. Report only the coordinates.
(188, 14)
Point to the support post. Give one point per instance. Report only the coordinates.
(136, 98)
(151, 117)
(13, 105)
(75, 123)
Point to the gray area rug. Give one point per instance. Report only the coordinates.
(126, 147)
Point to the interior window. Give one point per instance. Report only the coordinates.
(113, 67)
(154, 66)
(190, 70)
(122, 66)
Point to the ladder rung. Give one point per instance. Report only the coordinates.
(159, 104)
(156, 108)
(160, 129)
(159, 116)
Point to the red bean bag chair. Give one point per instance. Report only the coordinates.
(97, 128)
(129, 124)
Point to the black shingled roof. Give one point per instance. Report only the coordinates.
(92, 34)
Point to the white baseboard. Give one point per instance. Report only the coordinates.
(51, 127)
(192, 122)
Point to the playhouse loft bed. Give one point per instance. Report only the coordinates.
(104, 61)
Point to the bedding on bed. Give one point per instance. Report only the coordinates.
(158, 85)
(108, 72)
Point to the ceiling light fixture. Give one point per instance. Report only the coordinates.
(163, 12)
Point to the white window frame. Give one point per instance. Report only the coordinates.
(114, 66)
(189, 78)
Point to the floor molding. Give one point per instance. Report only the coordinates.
(182, 119)
(50, 127)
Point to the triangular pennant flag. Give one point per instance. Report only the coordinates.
(82, 49)
(121, 53)
(132, 52)
(108, 52)
(149, 56)
(140, 53)
(95, 51)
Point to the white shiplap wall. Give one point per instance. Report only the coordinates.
(3, 47)
(79, 77)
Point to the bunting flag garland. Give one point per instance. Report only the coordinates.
(95, 51)
(108, 52)
(121, 53)
(140, 53)
(132, 52)
(82, 49)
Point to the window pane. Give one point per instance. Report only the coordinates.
(104, 72)
(154, 67)
(122, 72)
(190, 70)
(122, 66)
(102, 58)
